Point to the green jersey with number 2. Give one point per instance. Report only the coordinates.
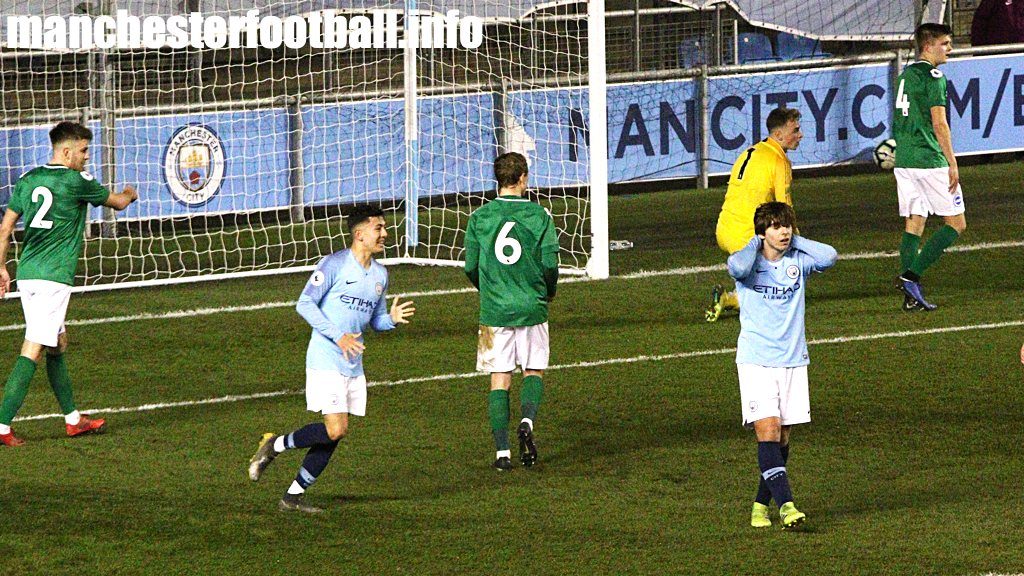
(920, 87)
(511, 240)
(53, 200)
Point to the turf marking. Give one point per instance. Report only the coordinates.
(688, 271)
(572, 366)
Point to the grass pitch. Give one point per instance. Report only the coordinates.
(911, 465)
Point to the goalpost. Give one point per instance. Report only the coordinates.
(246, 158)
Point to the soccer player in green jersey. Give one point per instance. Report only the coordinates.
(54, 199)
(512, 258)
(927, 177)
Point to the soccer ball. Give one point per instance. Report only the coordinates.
(885, 154)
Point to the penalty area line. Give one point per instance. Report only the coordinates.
(688, 271)
(572, 366)
(878, 255)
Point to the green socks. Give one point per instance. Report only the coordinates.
(533, 389)
(933, 248)
(21, 376)
(908, 250)
(60, 381)
(16, 389)
(497, 409)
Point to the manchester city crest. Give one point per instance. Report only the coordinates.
(194, 165)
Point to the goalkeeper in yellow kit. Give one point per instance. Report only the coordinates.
(761, 174)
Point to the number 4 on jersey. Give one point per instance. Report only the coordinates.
(504, 240)
(902, 100)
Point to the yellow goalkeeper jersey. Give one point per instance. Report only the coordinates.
(761, 174)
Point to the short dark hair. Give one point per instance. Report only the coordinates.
(361, 213)
(780, 117)
(509, 168)
(67, 131)
(929, 31)
(772, 214)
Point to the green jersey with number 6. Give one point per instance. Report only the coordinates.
(920, 87)
(512, 257)
(53, 200)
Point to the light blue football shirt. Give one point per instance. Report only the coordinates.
(342, 297)
(771, 296)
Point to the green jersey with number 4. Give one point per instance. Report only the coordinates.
(512, 257)
(53, 200)
(920, 87)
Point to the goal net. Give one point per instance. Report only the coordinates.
(246, 157)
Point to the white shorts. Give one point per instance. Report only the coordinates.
(502, 349)
(45, 304)
(329, 392)
(774, 392)
(925, 191)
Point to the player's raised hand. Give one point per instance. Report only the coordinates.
(131, 192)
(350, 345)
(399, 312)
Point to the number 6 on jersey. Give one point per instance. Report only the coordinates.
(504, 240)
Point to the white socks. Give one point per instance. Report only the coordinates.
(73, 419)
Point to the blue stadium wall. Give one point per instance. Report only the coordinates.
(354, 151)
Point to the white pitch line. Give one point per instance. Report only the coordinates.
(195, 312)
(854, 256)
(575, 365)
(688, 271)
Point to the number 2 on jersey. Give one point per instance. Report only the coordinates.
(504, 240)
(902, 100)
(40, 220)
